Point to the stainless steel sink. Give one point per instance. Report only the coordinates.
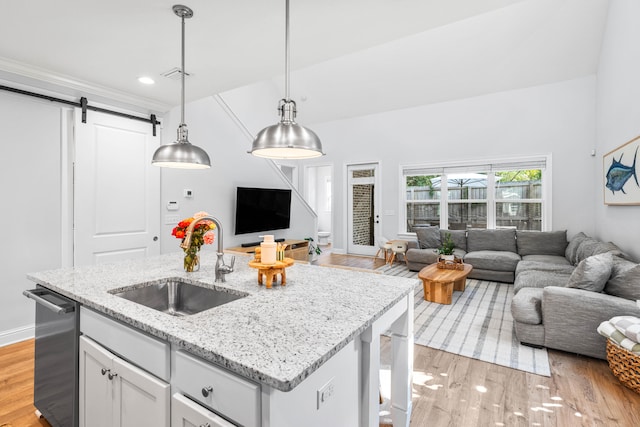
(177, 298)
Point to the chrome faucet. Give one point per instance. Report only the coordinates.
(221, 268)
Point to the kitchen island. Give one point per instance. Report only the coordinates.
(278, 338)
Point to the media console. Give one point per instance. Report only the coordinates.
(296, 249)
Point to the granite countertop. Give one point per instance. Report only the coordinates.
(276, 336)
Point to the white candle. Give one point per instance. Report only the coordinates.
(268, 250)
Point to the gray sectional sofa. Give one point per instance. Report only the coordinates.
(562, 290)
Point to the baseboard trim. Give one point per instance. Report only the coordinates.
(13, 336)
(338, 251)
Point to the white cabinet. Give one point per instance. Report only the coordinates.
(186, 413)
(115, 393)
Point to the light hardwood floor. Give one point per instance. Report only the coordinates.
(448, 390)
(16, 387)
(456, 391)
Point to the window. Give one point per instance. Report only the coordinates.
(503, 194)
(422, 200)
(518, 199)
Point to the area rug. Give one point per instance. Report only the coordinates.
(478, 324)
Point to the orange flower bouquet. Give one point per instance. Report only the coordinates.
(202, 235)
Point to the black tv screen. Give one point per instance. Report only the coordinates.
(262, 209)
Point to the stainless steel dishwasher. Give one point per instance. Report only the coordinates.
(56, 357)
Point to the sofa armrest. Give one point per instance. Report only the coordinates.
(413, 244)
(571, 317)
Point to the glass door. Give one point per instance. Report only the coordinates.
(363, 217)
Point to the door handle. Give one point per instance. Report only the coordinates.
(36, 295)
(112, 376)
(155, 238)
(104, 371)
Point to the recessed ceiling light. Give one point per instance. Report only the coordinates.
(146, 80)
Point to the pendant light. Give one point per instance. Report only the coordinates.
(181, 153)
(287, 139)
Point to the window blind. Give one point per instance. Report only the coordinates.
(525, 164)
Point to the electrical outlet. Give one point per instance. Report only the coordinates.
(324, 393)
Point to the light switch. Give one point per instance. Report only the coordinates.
(171, 219)
(188, 193)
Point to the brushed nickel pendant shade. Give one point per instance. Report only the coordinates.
(181, 154)
(287, 139)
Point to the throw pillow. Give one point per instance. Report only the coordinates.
(428, 237)
(586, 248)
(592, 273)
(572, 248)
(625, 279)
(541, 242)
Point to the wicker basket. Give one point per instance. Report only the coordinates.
(448, 265)
(625, 365)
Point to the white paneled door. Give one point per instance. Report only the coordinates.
(116, 190)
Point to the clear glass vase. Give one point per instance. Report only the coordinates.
(191, 260)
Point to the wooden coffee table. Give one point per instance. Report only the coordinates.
(439, 283)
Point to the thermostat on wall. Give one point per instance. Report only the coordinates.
(172, 206)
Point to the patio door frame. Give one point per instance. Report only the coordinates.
(353, 248)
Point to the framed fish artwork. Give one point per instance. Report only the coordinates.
(621, 186)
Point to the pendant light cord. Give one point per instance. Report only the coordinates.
(182, 72)
(287, 66)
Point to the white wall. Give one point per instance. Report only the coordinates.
(556, 118)
(214, 189)
(316, 194)
(31, 205)
(618, 117)
(324, 207)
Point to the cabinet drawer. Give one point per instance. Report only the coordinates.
(226, 393)
(185, 412)
(137, 347)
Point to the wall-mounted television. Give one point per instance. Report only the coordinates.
(262, 209)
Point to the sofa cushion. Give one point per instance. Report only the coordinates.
(459, 238)
(548, 259)
(493, 260)
(428, 237)
(491, 240)
(526, 306)
(592, 273)
(540, 279)
(625, 279)
(423, 256)
(527, 265)
(428, 256)
(541, 242)
(571, 252)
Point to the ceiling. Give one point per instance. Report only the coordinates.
(371, 55)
